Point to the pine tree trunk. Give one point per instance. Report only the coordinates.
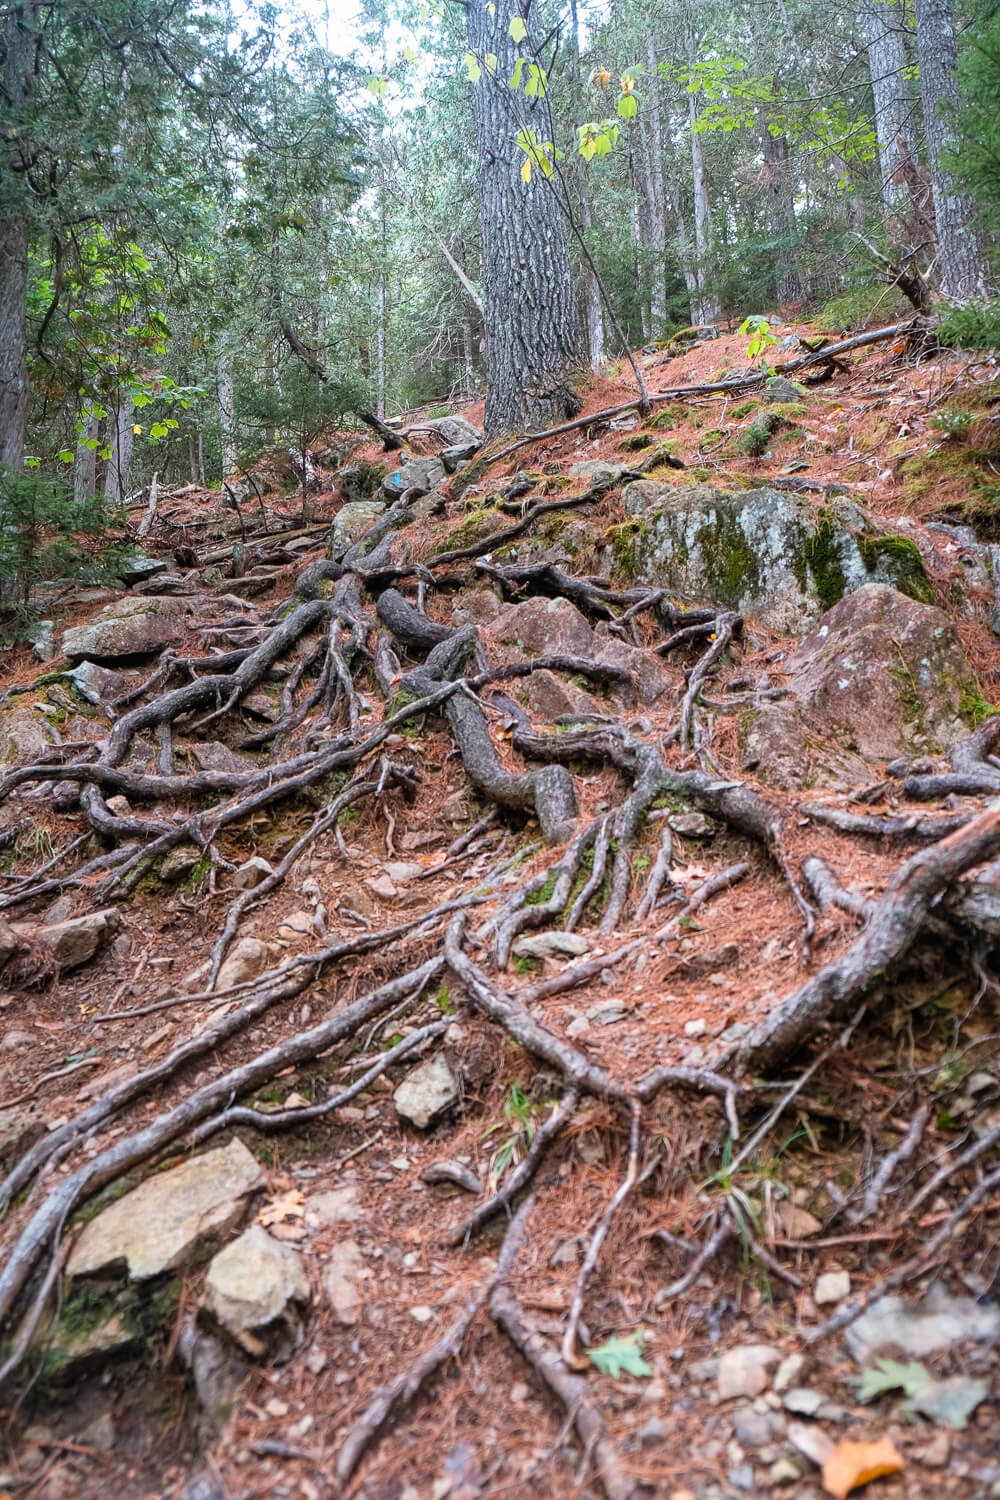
(530, 312)
(883, 22)
(85, 462)
(708, 306)
(19, 41)
(227, 415)
(120, 440)
(791, 282)
(964, 271)
(657, 198)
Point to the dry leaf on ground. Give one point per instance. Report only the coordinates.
(851, 1465)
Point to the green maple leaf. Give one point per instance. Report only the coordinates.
(621, 1356)
(890, 1375)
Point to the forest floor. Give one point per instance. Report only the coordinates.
(753, 1130)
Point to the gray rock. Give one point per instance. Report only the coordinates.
(73, 942)
(882, 676)
(249, 875)
(552, 944)
(780, 390)
(802, 1401)
(246, 959)
(427, 1091)
(263, 706)
(213, 755)
(23, 737)
(692, 825)
(456, 430)
(351, 522)
(939, 1321)
(20, 1128)
(413, 474)
(339, 1206)
(9, 941)
(812, 1442)
(741, 1478)
(41, 638)
(743, 1371)
(551, 697)
(342, 1275)
(652, 677)
(597, 470)
(771, 554)
(832, 1287)
(951, 1401)
(789, 1371)
(129, 627)
(252, 1288)
(652, 1432)
(784, 1471)
(400, 871)
(456, 454)
(159, 1224)
(180, 862)
(755, 1428)
(217, 1372)
(544, 625)
(87, 1346)
(138, 568)
(99, 685)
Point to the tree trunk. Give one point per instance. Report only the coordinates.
(791, 283)
(657, 199)
(120, 440)
(708, 305)
(20, 40)
(883, 22)
(85, 462)
(964, 271)
(530, 312)
(227, 415)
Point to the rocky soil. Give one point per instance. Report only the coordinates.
(499, 964)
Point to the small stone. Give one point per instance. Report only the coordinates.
(246, 959)
(421, 1314)
(316, 1361)
(340, 1206)
(73, 942)
(578, 1028)
(692, 825)
(652, 1432)
(741, 1477)
(812, 1442)
(20, 1127)
(344, 1270)
(914, 1329)
(832, 1287)
(251, 1286)
(802, 1401)
(695, 1028)
(784, 1471)
(753, 1429)
(249, 875)
(382, 887)
(519, 1392)
(426, 1092)
(296, 929)
(179, 863)
(789, 1370)
(122, 808)
(743, 1370)
(551, 945)
(936, 1453)
(399, 872)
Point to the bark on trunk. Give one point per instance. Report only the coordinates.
(85, 463)
(790, 279)
(120, 440)
(227, 415)
(883, 23)
(708, 304)
(530, 312)
(964, 271)
(20, 40)
(657, 199)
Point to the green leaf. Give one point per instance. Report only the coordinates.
(472, 67)
(66, 455)
(518, 30)
(890, 1375)
(490, 62)
(158, 430)
(515, 77)
(627, 107)
(526, 171)
(621, 1356)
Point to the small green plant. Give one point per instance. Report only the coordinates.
(758, 331)
(953, 424)
(519, 1123)
(974, 327)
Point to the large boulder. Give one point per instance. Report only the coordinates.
(413, 474)
(777, 556)
(126, 628)
(455, 430)
(351, 522)
(882, 676)
(159, 1225)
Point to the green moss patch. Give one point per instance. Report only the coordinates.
(904, 564)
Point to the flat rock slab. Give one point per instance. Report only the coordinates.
(73, 942)
(252, 1284)
(427, 1092)
(938, 1321)
(158, 1225)
(882, 676)
(213, 755)
(345, 1270)
(129, 627)
(544, 625)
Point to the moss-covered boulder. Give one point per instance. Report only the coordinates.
(882, 676)
(782, 558)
